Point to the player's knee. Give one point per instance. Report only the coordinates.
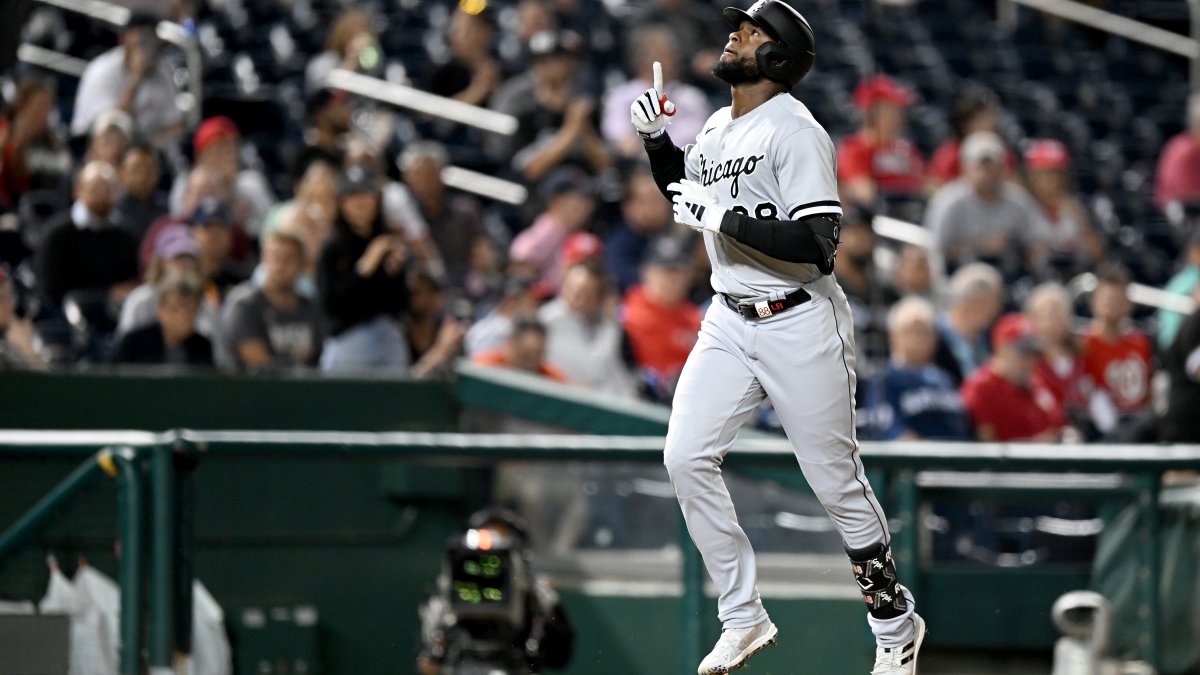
(684, 465)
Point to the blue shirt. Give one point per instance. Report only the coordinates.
(922, 400)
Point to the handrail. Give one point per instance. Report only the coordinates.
(168, 31)
(1117, 25)
(51, 60)
(422, 101)
(1139, 294)
(452, 445)
(484, 185)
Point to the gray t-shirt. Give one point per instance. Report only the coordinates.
(774, 163)
(293, 336)
(959, 218)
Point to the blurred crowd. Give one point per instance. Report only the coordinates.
(325, 230)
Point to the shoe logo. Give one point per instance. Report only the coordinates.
(707, 130)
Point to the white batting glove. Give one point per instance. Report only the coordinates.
(695, 207)
(652, 110)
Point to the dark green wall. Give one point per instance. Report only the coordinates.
(155, 402)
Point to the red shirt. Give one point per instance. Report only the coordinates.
(897, 168)
(1070, 388)
(662, 337)
(1122, 368)
(1178, 176)
(945, 165)
(1014, 412)
(497, 358)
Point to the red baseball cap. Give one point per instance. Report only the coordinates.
(580, 246)
(1047, 153)
(213, 129)
(881, 89)
(1014, 329)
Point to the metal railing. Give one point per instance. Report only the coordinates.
(126, 454)
(1082, 13)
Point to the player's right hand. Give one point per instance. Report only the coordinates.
(652, 110)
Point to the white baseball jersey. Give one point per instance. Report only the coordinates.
(774, 163)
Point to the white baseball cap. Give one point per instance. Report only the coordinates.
(979, 146)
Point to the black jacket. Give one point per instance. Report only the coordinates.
(73, 258)
(146, 345)
(351, 299)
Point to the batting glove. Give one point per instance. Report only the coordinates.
(695, 207)
(652, 110)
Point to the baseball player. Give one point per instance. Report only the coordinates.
(759, 183)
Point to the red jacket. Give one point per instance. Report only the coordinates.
(662, 337)
(1014, 412)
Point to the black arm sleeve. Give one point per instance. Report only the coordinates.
(809, 240)
(666, 162)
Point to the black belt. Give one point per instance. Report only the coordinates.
(764, 308)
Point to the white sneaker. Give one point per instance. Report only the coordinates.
(736, 646)
(901, 660)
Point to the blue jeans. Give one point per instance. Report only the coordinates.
(375, 345)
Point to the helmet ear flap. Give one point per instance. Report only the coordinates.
(772, 61)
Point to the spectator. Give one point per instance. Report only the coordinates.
(976, 298)
(1181, 424)
(401, 213)
(583, 340)
(1005, 400)
(650, 44)
(645, 217)
(110, 136)
(216, 143)
(491, 330)
(84, 249)
(351, 45)
(912, 398)
(212, 227)
(203, 185)
(568, 196)
(175, 253)
(524, 350)
(132, 78)
(173, 338)
(556, 123)
(869, 295)
(1073, 243)
(435, 336)
(877, 162)
(470, 75)
(484, 282)
(662, 324)
(532, 17)
(982, 216)
(309, 216)
(1116, 356)
(1178, 178)
(272, 325)
(913, 272)
(974, 111)
(455, 219)
(24, 129)
(16, 332)
(1060, 369)
(1186, 280)
(141, 201)
(362, 282)
(328, 112)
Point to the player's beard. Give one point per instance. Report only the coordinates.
(738, 71)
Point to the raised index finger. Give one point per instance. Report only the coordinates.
(658, 83)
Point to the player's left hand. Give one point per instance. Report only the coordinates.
(695, 207)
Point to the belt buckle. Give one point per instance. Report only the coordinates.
(763, 309)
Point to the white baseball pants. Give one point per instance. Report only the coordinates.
(803, 361)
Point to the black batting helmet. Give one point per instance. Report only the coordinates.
(790, 57)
